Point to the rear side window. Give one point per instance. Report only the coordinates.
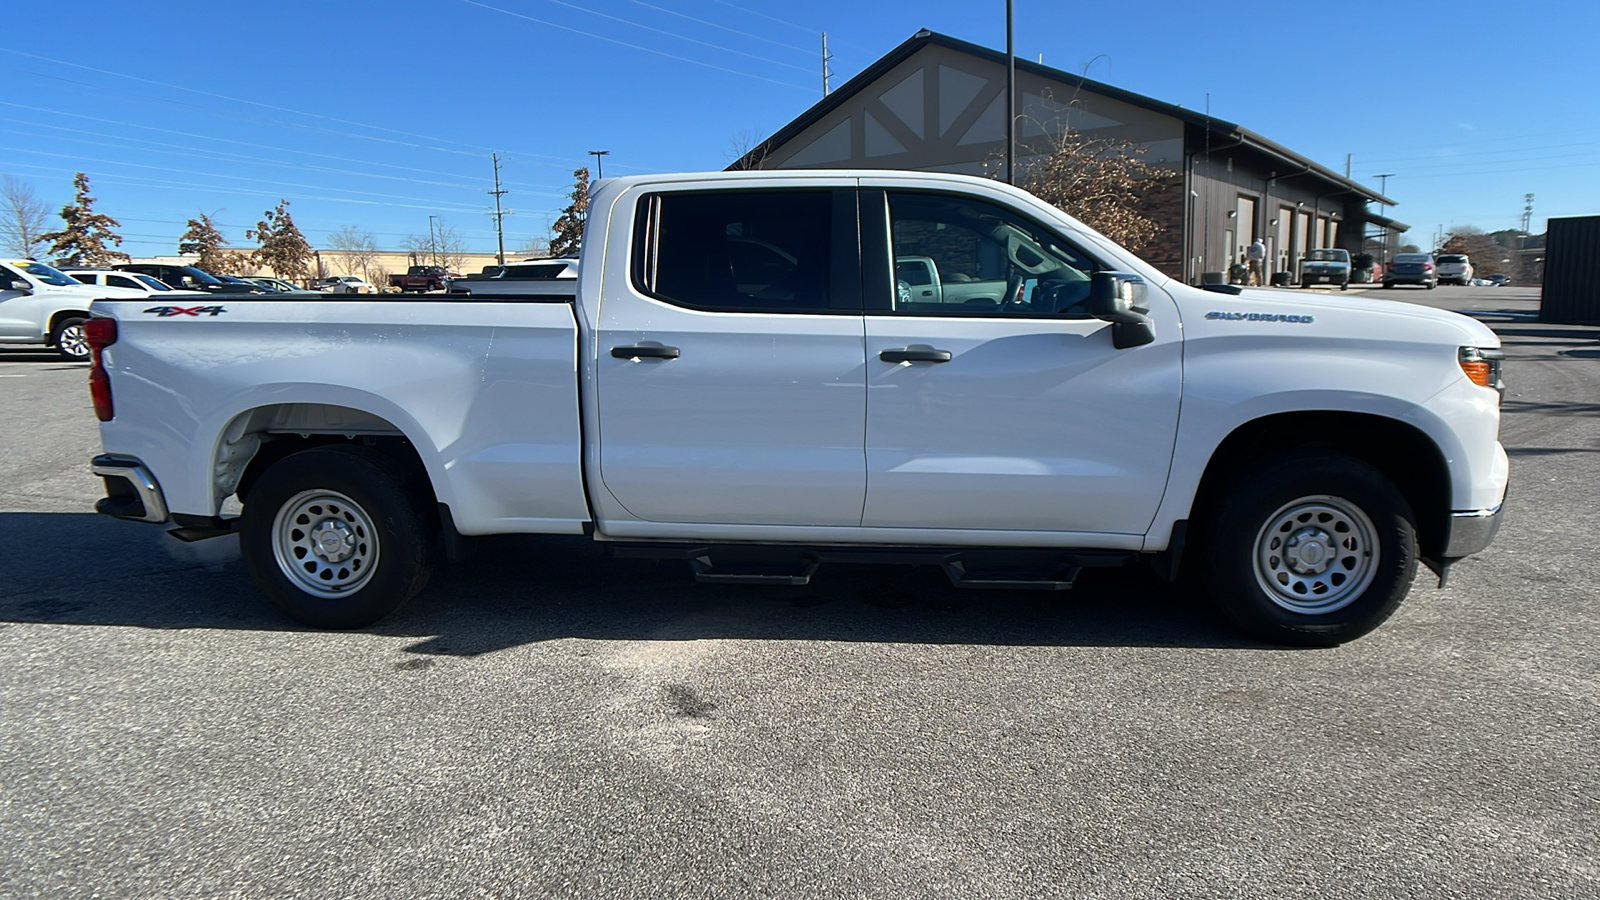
(750, 250)
(84, 277)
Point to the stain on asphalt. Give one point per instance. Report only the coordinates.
(414, 665)
(685, 702)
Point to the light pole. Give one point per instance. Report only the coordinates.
(599, 167)
(433, 245)
(1383, 191)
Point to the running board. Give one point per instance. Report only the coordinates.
(794, 565)
(999, 580)
(796, 573)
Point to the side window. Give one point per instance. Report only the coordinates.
(959, 256)
(750, 250)
(123, 281)
(83, 277)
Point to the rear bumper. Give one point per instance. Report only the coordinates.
(131, 491)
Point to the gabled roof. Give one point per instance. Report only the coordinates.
(1222, 131)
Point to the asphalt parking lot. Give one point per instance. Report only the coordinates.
(547, 722)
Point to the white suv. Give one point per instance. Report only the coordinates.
(133, 281)
(1453, 268)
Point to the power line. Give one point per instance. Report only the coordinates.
(675, 35)
(114, 177)
(599, 37)
(189, 134)
(747, 34)
(270, 106)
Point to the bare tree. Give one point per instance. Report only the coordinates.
(533, 248)
(1103, 182)
(353, 250)
(747, 150)
(25, 218)
(452, 249)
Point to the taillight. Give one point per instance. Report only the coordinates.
(1427, 267)
(100, 333)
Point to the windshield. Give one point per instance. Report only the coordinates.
(1327, 256)
(1452, 259)
(1411, 257)
(150, 283)
(45, 274)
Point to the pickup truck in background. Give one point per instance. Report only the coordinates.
(422, 278)
(543, 277)
(42, 305)
(1326, 265)
(754, 377)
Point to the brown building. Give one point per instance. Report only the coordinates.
(937, 104)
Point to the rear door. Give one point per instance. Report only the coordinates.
(730, 358)
(1005, 406)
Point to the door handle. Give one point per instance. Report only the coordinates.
(917, 355)
(646, 352)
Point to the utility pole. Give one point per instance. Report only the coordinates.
(826, 73)
(1011, 103)
(599, 167)
(1383, 191)
(499, 214)
(433, 245)
(1527, 214)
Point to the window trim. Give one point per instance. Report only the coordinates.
(844, 251)
(878, 297)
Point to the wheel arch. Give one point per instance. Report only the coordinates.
(256, 438)
(1405, 455)
(61, 315)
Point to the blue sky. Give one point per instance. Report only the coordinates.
(379, 115)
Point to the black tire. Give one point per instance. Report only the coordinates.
(69, 341)
(1338, 512)
(353, 499)
(1388, 284)
(1432, 285)
(1344, 285)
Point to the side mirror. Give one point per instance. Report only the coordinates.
(1119, 298)
(20, 285)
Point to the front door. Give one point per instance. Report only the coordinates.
(730, 374)
(1004, 405)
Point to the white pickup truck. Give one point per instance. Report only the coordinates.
(42, 305)
(743, 382)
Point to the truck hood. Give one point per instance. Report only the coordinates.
(1339, 314)
(87, 292)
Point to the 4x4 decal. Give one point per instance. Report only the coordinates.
(169, 311)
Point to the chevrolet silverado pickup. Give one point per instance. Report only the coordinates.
(42, 305)
(764, 372)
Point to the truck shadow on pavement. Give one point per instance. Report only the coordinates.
(85, 569)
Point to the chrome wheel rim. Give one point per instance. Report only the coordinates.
(325, 543)
(1316, 555)
(72, 342)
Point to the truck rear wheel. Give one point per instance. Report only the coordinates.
(333, 539)
(1315, 550)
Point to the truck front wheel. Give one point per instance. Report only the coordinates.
(332, 538)
(1316, 549)
(69, 341)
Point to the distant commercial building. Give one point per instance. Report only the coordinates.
(937, 104)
